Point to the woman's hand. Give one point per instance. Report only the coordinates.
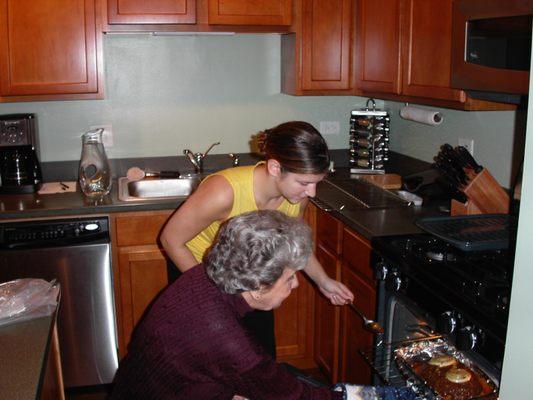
(335, 291)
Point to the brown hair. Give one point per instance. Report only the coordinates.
(297, 146)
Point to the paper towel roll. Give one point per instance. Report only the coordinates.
(420, 115)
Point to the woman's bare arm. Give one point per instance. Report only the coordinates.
(212, 201)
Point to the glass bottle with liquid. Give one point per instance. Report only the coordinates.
(94, 174)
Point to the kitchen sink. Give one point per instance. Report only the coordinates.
(156, 189)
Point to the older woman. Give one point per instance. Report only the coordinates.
(191, 344)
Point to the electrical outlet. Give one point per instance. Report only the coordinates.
(107, 135)
(330, 127)
(467, 144)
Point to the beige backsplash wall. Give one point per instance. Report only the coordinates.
(164, 94)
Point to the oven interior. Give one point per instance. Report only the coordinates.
(405, 323)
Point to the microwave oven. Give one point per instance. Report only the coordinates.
(491, 46)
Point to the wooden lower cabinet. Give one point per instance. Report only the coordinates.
(143, 275)
(140, 267)
(358, 277)
(140, 271)
(327, 318)
(353, 337)
(294, 326)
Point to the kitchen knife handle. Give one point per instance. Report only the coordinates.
(471, 160)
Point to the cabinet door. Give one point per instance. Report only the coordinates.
(327, 318)
(378, 46)
(329, 231)
(151, 12)
(143, 274)
(327, 44)
(48, 47)
(426, 54)
(294, 326)
(354, 337)
(250, 12)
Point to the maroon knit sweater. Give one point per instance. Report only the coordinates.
(191, 345)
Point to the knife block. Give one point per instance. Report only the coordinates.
(485, 196)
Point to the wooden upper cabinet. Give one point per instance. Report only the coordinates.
(318, 58)
(250, 12)
(426, 54)
(378, 46)
(326, 44)
(50, 47)
(151, 11)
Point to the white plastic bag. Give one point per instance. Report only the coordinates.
(24, 299)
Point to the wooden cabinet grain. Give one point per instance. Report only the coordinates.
(404, 53)
(378, 45)
(140, 271)
(151, 12)
(318, 57)
(295, 318)
(358, 277)
(339, 332)
(327, 320)
(140, 267)
(354, 337)
(250, 12)
(327, 316)
(50, 49)
(404, 49)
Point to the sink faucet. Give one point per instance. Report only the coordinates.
(196, 159)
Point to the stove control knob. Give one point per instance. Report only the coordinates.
(394, 282)
(447, 322)
(380, 270)
(469, 337)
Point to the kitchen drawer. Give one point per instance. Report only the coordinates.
(140, 229)
(329, 231)
(356, 254)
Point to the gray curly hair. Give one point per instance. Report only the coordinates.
(252, 250)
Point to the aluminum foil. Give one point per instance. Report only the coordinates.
(424, 350)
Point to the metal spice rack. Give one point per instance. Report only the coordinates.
(369, 140)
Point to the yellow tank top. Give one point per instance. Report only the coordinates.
(241, 180)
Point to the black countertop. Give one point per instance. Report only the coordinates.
(368, 222)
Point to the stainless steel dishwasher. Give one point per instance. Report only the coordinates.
(77, 253)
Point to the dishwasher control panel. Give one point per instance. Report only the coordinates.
(44, 233)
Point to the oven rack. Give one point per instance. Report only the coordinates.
(382, 362)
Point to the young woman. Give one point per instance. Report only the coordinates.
(296, 159)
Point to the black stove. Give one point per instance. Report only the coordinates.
(466, 293)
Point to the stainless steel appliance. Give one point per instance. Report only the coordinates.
(20, 171)
(76, 252)
(491, 47)
(429, 287)
(369, 140)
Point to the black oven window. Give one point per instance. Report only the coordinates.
(503, 43)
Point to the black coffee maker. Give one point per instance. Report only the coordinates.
(20, 171)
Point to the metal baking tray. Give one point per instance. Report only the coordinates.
(473, 232)
(424, 350)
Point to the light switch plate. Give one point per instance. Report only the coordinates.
(468, 144)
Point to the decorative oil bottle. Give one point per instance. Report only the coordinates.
(94, 174)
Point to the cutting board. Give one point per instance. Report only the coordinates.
(384, 181)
